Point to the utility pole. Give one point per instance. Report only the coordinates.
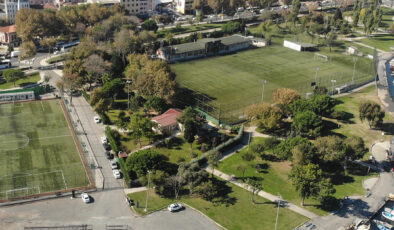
(262, 93)
(354, 68)
(147, 193)
(277, 212)
(128, 94)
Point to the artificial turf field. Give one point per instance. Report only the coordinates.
(235, 81)
(38, 152)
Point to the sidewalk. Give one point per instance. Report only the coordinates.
(264, 194)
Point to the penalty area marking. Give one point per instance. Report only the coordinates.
(28, 141)
(42, 106)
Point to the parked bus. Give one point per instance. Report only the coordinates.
(5, 64)
(69, 45)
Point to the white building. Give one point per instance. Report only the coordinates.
(184, 6)
(298, 46)
(19, 96)
(133, 7)
(9, 8)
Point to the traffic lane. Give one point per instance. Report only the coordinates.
(94, 132)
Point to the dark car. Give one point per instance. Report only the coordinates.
(108, 155)
(107, 147)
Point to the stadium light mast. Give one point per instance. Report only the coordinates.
(332, 89)
(262, 93)
(317, 70)
(147, 193)
(128, 94)
(354, 68)
(277, 212)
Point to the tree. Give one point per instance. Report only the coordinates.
(28, 24)
(330, 149)
(295, 10)
(170, 38)
(311, 6)
(175, 182)
(96, 67)
(47, 78)
(285, 96)
(189, 133)
(188, 113)
(322, 105)
(303, 153)
(144, 160)
(29, 50)
(141, 127)
(96, 95)
(192, 175)
(208, 190)
(101, 106)
(12, 75)
(213, 160)
(372, 112)
(308, 124)
(114, 88)
(48, 43)
(267, 117)
(307, 180)
(149, 25)
(284, 149)
(355, 148)
(256, 186)
(156, 103)
(330, 40)
(242, 167)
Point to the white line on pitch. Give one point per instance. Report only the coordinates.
(41, 138)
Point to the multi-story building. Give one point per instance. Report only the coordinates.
(135, 7)
(8, 8)
(184, 6)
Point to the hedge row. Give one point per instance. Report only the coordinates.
(86, 96)
(222, 147)
(123, 168)
(111, 139)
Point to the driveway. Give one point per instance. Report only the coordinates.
(109, 208)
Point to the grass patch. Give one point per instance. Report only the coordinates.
(57, 59)
(38, 151)
(234, 81)
(387, 19)
(179, 150)
(275, 179)
(28, 80)
(241, 214)
(383, 42)
(187, 29)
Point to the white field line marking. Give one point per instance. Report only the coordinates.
(56, 171)
(41, 138)
(42, 106)
(64, 180)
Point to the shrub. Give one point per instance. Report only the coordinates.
(248, 156)
(113, 138)
(339, 115)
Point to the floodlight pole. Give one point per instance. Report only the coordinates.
(354, 68)
(128, 94)
(317, 70)
(277, 212)
(147, 193)
(332, 89)
(262, 93)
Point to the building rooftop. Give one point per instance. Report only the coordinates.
(8, 29)
(17, 93)
(200, 44)
(168, 118)
(304, 44)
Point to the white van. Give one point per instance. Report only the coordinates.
(15, 53)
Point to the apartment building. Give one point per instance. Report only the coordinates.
(8, 8)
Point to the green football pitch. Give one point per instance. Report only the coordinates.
(232, 82)
(37, 149)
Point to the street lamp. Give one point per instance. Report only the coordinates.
(277, 212)
(262, 93)
(147, 193)
(128, 94)
(332, 89)
(250, 133)
(354, 68)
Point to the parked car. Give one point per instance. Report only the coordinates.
(114, 165)
(116, 173)
(97, 119)
(108, 155)
(175, 207)
(104, 140)
(85, 197)
(107, 147)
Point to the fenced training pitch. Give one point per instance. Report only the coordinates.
(37, 149)
(226, 85)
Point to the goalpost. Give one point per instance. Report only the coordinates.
(321, 57)
(23, 191)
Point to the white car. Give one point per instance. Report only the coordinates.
(116, 173)
(104, 140)
(174, 207)
(97, 119)
(85, 197)
(114, 165)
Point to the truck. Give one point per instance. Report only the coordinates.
(15, 53)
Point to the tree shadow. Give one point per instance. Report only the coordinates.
(175, 143)
(223, 191)
(269, 157)
(329, 126)
(388, 128)
(261, 168)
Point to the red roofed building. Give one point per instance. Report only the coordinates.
(167, 122)
(8, 36)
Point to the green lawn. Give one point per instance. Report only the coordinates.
(383, 42)
(38, 151)
(234, 81)
(179, 150)
(275, 179)
(237, 213)
(387, 19)
(28, 80)
(57, 59)
(188, 29)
